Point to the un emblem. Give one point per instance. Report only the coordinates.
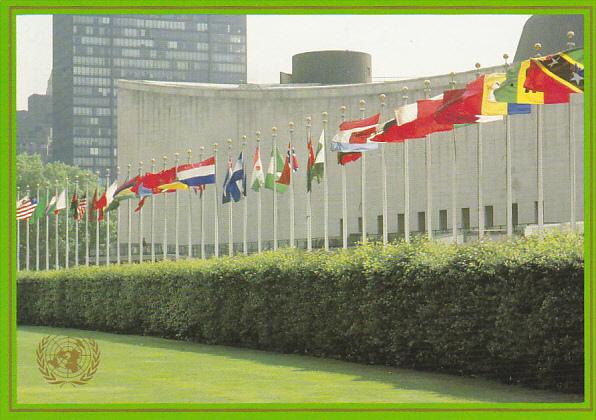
(67, 360)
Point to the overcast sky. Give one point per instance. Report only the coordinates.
(402, 46)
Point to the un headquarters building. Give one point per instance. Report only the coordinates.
(91, 52)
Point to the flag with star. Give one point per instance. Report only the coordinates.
(557, 75)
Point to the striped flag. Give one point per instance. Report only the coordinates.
(25, 208)
(81, 209)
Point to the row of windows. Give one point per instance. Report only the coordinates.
(86, 50)
(93, 151)
(187, 55)
(91, 131)
(146, 64)
(90, 100)
(86, 120)
(150, 23)
(234, 39)
(228, 68)
(91, 71)
(92, 141)
(130, 42)
(84, 110)
(88, 61)
(229, 58)
(90, 19)
(88, 30)
(92, 162)
(91, 81)
(92, 40)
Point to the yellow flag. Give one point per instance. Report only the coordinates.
(490, 106)
(173, 186)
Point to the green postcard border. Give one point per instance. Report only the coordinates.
(9, 406)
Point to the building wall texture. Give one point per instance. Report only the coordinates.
(158, 118)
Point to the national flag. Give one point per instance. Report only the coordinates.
(140, 204)
(557, 75)
(93, 209)
(285, 173)
(153, 181)
(51, 205)
(106, 199)
(26, 207)
(81, 209)
(490, 105)
(231, 188)
(353, 136)
(39, 210)
(512, 90)
(258, 177)
(197, 174)
(316, 162)
(60, 203)
(74, 203)
(125, 191)
(271, 178)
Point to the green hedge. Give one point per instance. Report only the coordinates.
(510, 310)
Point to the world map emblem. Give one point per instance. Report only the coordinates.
(67, 360)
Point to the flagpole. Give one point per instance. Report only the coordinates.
(382, 97)
(165, 216)
(454, 229)
(245, 203)
(274, 153)
(201, 149)
(66, 244)
(97, 225)
(325, 185)
(231, 209)
(429, 192)
(344, 193)
(86, 221)
(152, 216)
(406, 177)
(189, 154)
(76, 222)
(56, 244)
(177, 211)
(140, 222)
(118, 261)
(480, 173)
(259, 241)
(292, 209)
(215, 208)
(129, 220)
(362, 104)
(27, 234)
(107, 219)
(539, 146)
(47, 227)
(572, 175)
(508, 184)
(18, 235)
(309, 192)
(37, 235)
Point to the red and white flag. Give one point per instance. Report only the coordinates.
(25, 208)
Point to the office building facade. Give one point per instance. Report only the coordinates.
(91, 52)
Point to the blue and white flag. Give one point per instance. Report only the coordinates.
(234, 186)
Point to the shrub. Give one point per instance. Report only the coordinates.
(509, 310)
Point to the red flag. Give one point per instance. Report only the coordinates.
(344, 158)
(426, 123)
(141, 204)
(538, 81)
(311, 154)
(94, 205)
(285, 173)
(153, 181)
(100, 205)
(452, 109)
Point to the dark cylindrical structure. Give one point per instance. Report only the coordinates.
(332, 67)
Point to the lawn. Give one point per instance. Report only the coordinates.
(137, 369)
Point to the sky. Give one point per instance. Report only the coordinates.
(401, 46)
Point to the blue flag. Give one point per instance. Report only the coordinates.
(235, 183)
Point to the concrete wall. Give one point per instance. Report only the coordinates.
(157, 119)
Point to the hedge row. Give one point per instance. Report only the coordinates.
(511, 310)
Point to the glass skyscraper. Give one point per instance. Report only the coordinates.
(91, 52)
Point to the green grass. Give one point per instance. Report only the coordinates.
(137, 369)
